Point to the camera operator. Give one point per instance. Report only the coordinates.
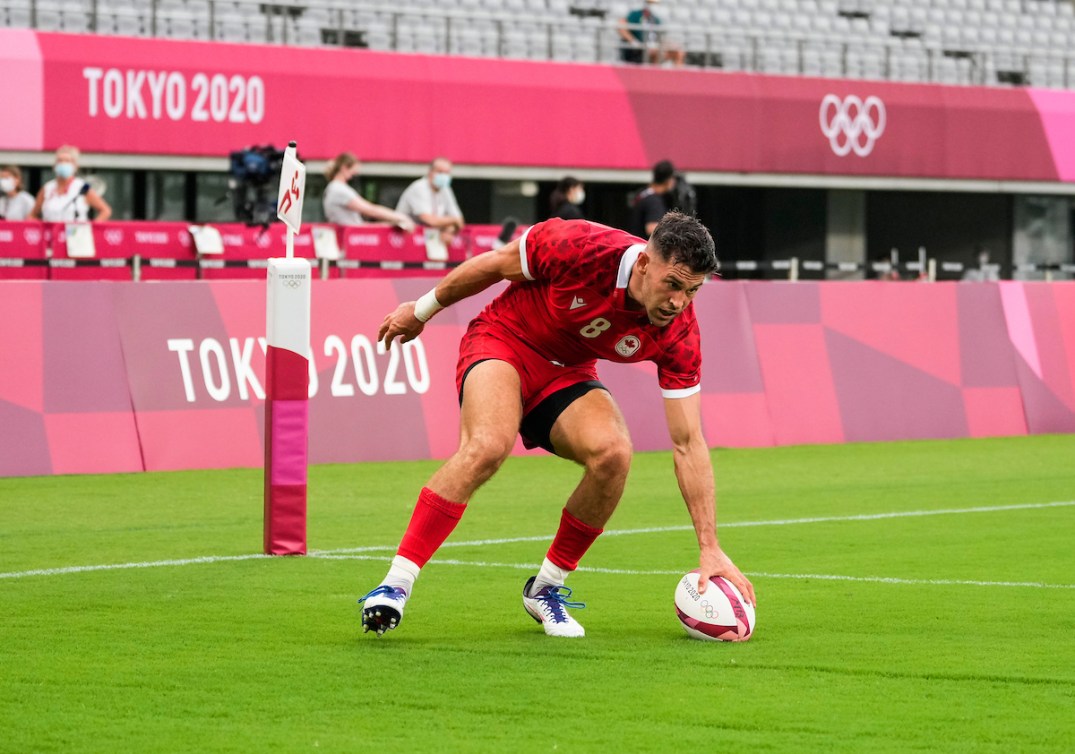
(253, 171)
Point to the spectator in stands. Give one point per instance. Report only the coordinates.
(431, 202)
(984, 272)
(643, 41)
(567, 198)
(344, 206)
(649, 205)
(15, 203)
(68, 198)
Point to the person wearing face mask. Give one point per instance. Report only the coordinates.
(431, 202)
(567, 198)
(15, 204)
(68, 198)
(345, 206)
(643, 41)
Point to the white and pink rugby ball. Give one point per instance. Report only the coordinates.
(721, 614)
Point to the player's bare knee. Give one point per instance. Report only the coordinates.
(612, 460)
(484, 452)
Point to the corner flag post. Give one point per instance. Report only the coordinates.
(287, 376)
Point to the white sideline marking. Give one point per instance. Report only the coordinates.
(119, 566)
(729, 525)
(795, 576)
(547, 537)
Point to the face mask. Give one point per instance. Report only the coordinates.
(442, 180)
(580, 197)
(64, 169)
(7, 185)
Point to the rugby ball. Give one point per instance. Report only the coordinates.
(721, 614)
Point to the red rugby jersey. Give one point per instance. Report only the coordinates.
(572, 308)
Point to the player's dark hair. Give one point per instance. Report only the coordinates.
(662, 171)
(682, 239)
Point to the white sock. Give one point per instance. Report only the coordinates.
(402, 574)
(549, 575)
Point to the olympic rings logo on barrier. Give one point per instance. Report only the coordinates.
(859, 122)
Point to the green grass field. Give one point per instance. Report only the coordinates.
(874, 634)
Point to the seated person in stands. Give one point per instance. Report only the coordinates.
(15, 203)
(345, 206)
(430, 201)
(68, 198)
(643, 41)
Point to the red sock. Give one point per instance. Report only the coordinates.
(571, 542)
(433, 520)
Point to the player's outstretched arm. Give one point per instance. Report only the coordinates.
(473, 276)
(694, 472)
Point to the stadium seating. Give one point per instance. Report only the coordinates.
(992, 42)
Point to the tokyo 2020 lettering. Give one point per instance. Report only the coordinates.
(221, 371)
(137, 94)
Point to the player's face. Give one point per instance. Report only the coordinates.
(666, 288)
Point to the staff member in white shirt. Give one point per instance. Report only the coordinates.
(430, 201)
(345, 206)
(68, 198)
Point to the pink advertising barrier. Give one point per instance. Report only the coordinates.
(135, 96)
(173, 374)
(22, 244)
(408, 250)
(167, 251)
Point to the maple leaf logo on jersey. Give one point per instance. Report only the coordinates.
(628, 345)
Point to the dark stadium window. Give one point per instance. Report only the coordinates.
(165, 194)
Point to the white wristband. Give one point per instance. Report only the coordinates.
(427, 306)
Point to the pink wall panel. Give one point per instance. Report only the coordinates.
(22, 379)
(22, 127)
(1049, 330)
(737, 420)
(93, 443)
(994, 411)
(783, 363)
(799, 384)
(914, 324)
(133, 96)
(217, 438)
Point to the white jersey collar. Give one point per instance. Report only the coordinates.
(627, 263)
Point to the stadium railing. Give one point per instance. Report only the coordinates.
(140, 250)
(903, 48)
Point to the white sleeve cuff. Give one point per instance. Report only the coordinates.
(681, 392)
(522, 254)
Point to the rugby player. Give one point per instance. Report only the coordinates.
(579, 292)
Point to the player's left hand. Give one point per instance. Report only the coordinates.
(716, 563)
(400, 324)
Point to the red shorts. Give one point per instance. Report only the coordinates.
(539, 378)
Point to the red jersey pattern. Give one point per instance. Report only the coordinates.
(573, 307)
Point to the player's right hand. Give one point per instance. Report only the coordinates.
(716, 563)
(400, 324)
